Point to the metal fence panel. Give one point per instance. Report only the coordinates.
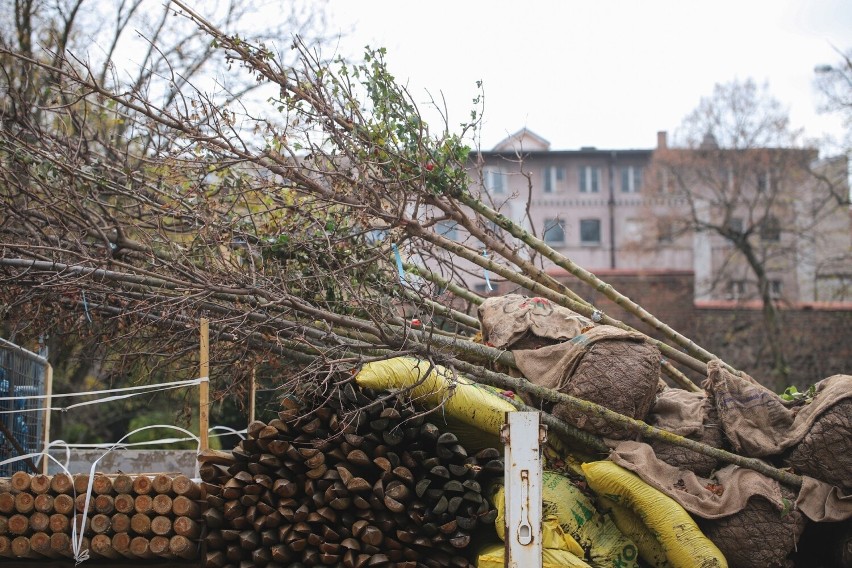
(22, 374)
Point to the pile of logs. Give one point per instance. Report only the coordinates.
(379, 486)
(138, 517)
(363, 481)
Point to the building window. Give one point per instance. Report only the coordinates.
(447, 229)
(554, 231)
(763, 183)
(590, 231)
(833, 287)
(665, 231)
(736, 289)
(770, 229)
(775, 289)
(590, 179)
(495, 180)
(736, 225)
(553, 177)
(634, 230)
(666, 182)
(725, 178)
(631, 179)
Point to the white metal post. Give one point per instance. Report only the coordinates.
(523, 436)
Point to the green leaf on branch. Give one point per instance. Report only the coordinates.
(792, 394)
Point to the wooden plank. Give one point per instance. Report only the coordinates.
(204, 387)
(48, 391)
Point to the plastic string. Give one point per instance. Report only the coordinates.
(399, 268)
(189, 382)
(151, 389)
(485, 273)
(77, 539)
(86, 307)
(81, 556)
(76, 543)
(230, 432)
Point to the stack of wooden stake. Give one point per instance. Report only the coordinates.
(138, 517)
(379, 486)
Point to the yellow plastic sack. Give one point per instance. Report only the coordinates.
(553, 535)
(684, 543)
(631, 526)
(472, 407)
(580, 527)
(472, 411)
(493, 557)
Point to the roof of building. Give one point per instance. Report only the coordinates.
(522, 141)
(527, 143)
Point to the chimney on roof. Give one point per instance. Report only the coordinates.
(709, 142)
(662, 140)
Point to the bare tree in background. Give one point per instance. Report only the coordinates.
(761, 211)
(834, 85)
(70, 157)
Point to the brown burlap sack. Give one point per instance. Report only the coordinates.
(825, 452)
(758, 536)
(517, 322)
(620, 375)
(692, 415)
(757, 422)
(730, 489)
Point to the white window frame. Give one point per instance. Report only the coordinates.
(590, 179)
(494, 180)
(553, 178)
(634, 179)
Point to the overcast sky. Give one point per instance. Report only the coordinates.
(599, 73)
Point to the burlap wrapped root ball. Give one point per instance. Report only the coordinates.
(825, 452)
(707, 430)
(759, 536)
(620, 375)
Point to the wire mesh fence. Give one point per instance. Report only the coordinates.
(22, 376)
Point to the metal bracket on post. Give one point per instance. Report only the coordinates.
(523, 437)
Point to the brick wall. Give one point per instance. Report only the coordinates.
(817, 341)
(668, 295)
(817, 338)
